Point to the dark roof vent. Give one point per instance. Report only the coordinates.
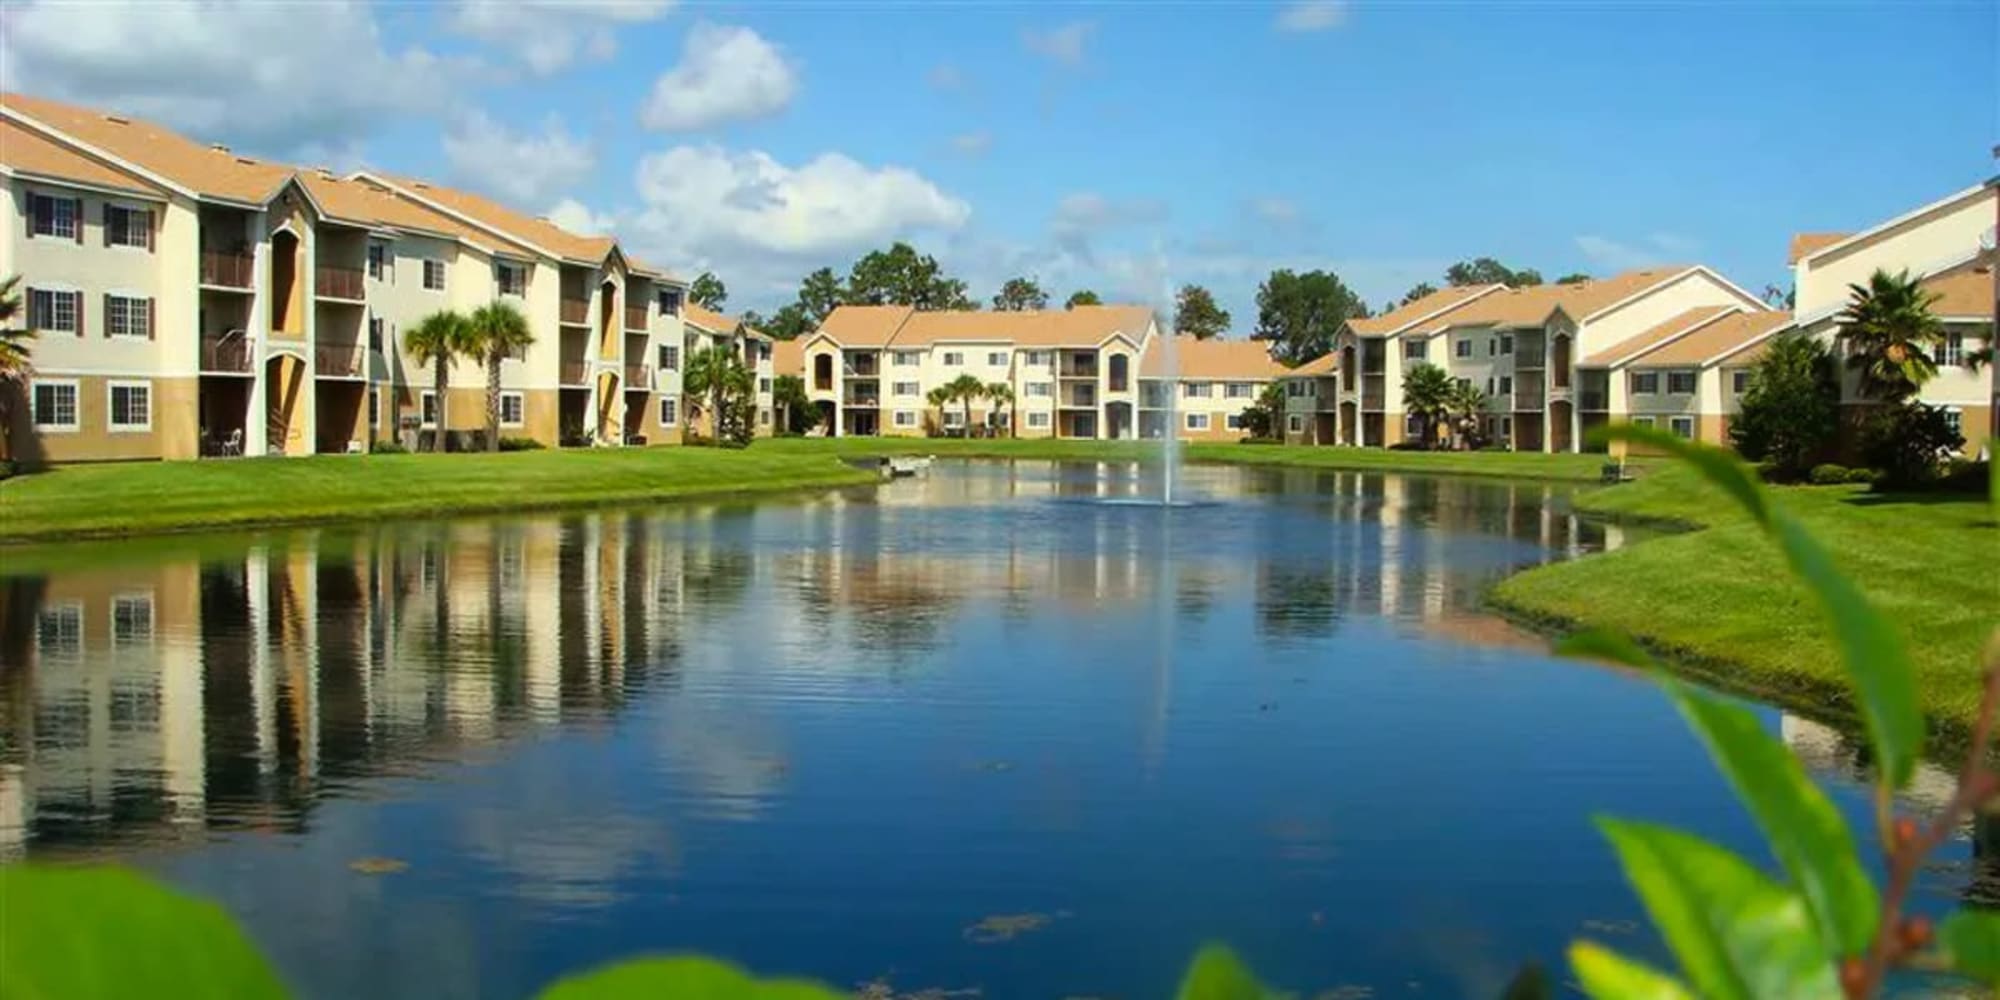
(118, 119)
(218, 147)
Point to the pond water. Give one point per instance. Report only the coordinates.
(973, 731)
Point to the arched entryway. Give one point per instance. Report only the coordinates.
(288, 305)
(1347, 365)
(1350, 419)
(285, 405)
(1559, 362)
(609, 332)
(1561, 415)
(1117, 416)
(1119, 374)
(609, 418)
(823, 372)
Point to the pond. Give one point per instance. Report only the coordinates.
(977, 730)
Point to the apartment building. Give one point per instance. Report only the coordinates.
(1073, 372)
(1949, 244)
(1200, 388)
(1684, 375)
(1524, 347)
(191, 301)
(707, 328)
(1312, 401)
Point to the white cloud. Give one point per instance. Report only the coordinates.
(725, 74)
(1658, 248)
(1080, 218)
(1275, 211)
(548, 36)
(945, 76)
(272, 77)
(762, 223)
(972, 143)
(522, 168)
(1312, 15)
(577, 217)
(1065, 45)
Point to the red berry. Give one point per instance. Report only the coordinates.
(1915, 933)
(1852, 974)
(1903, 832)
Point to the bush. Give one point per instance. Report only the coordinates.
(1831, 474)
(1259, 440)
(1909, 443)
(6, 469)
(1789, 417)
(387, 448)
(1408, 446)
(1863, 476)
(520, 444)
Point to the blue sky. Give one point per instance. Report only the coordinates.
(1098, 145)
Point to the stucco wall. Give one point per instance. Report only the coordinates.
(1945, 233)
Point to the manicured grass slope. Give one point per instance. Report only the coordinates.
(135, 498)
(1722, 596)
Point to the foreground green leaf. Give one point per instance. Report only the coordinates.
(1606, 975)
(1804, 829)
(1738, 935)
(1217, 974)
(89, 933)
(1876, 659)
(1971, 940)
(682, 977)
(1605, 644)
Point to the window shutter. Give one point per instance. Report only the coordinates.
(34, 211)
(152, 327)
(107, 316)
(78, 216)
(79, 314)
(150, 215)
(35, 319)
(107, 223)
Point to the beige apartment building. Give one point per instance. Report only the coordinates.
(1312, 401)
(1200, 388)
(1073, 372)
(190, 301)
(708, 328)
(1949, 244)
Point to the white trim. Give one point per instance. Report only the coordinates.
(129, 296)
(1484, 291)
(152, 616)
(454, 213)
(1676, 419)
(82, 624)
(1756, 304)
(134, 373)
(33, 177)
(661, 417)
(1671, 338)
(111, 424)
(1882, 227)
(517, 394)
(422, 396)
(35, 418)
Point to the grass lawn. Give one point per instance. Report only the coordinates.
(136, 498)
(1511, 465)
(1721, 599)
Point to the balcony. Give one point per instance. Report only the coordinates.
(230, 355)
(1528, 398)
(1077, 366)
(863, 397)
(1592, 401)
(1372, 392)
(340, 360)
(344, 283)
(574, 312)
(227, 270)
(638, 376)
(1077, 397)
(1529, 360)
(573, 371)
(865, 368)
(637, 319)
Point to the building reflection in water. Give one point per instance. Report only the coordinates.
(157, 701)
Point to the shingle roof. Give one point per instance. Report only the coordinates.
(1804, 244)
(1324, 365)
(362, 203)
(1966, 290)
(715, 322)
(1531, 306)
(1723, 337)
(212, 171)
(864, 326)
(1216, 358)
(1428, 309)
(28, 151)
(529, 229)
(1082, 326)
(1654, 336)
(788, 357)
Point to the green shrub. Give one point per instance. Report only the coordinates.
(7, 469)
(520, 444)
(1771, 471)
(1790, 414)
(387, 448)
(1909, 443)
(1863, 476)
(1831, 474)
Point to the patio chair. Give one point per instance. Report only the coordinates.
(233, 446)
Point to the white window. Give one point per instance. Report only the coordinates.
(1233, 421)
(126, 316)
(1953, 351)
(513, 409)
(1416, 350)
(1739, 382)
(1955, 419)
(906, 418)
(1238, 390)
(1683, 427)
(1196, 421)
(378, 260)
(1507, 426)
(1506, 343)
(430, 408)
(997, 359)
(59, 628)
(1465, 383)
(1464, 347)
(1506, 385)
(1642, 421)
(764, 417)
(54, 311)
(906, 389)
(128, 227)
(1195, 390)
(131, 406)
(132, 619)
(763, 387)
(670, 357)
(1680, 383)
(433, 274)
(57, 217)
(1035, 357)
(669, 411)
(1645, 383)
(954, 418)
(513, 278)
(54, 406)
(1492, 346)
(1038, 420)
(1039, 388)
(670, 304)
(374, 333)
(1295, 423)
(906, 359)
(952, 359)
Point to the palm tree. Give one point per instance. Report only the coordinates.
(713, 372)
(435, 341)
(788, 392)
(1002, 394)
(1465, 403)
(965, 389)
(14, 364)
(940, 397)
(498, 331)
(1892, 336)
(1427, 391)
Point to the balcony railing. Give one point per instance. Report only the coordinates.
(1591, 401)
(573, 372)
(862, 399)
(861, 369)
(638, 376)
(1078, 399)
(575, 311)
(338, 282)
(226, 354)
(339, 360)
(1528, 399)
(1371, 399)
(230, 270)
(1075, 368)
(636, 318)
(1529, 359)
